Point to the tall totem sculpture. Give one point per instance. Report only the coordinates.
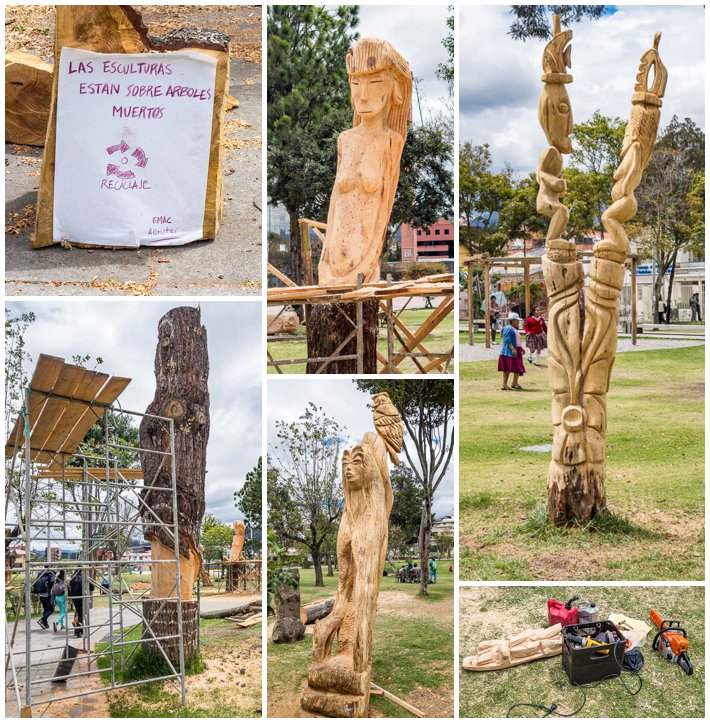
(338, 683)
(582, 336)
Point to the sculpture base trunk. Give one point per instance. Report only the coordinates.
(326, 330)
(163, 622)
(575, 493)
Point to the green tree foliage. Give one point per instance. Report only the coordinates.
(667, 199)
(427, 410)
(216, 537)
(407, 505)
(248, 498)
(305, 493)
(279, 571)
(445, 71)
(532, 21)
(308, 106)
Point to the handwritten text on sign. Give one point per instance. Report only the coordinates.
(133, 147)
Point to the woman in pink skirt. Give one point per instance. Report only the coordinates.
(510, 360)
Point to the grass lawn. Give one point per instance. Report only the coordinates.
(655, 476)
(487, 613)
(412, 651)
(227, 686)
(439, 341)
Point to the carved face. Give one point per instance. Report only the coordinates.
(370, 93)
(356, 467)
(555, 115)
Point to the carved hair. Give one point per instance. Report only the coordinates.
(371, 55)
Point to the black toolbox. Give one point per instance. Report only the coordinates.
(588, 665)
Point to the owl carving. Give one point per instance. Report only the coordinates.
(388, 424)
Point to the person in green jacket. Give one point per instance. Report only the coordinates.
(432, 571)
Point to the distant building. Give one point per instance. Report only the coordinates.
(435, 242)
(444, 526)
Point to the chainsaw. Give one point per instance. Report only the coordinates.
(671, 642)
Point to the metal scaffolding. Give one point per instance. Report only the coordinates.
(90, 506)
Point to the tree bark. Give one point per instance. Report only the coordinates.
(328, 328)
(425, 544)
(181, 372)
(294, 248)
(317, 566)
(289, 627)
(316, 610)
(329, 560)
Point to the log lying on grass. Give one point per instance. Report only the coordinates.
(251, 607)
(28, 96)
(316, 610)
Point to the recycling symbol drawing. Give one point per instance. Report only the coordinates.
(124, 159)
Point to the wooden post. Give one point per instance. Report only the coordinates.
(306, 255)
(469, 301)
(390, 330)
(634, 262)
(487, 289)
(527, 287)
(359, 320)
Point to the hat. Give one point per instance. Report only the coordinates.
(513, 316)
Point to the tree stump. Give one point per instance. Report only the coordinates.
(289, 627)
(163, 621)
(327, 329)
(181, 372)
(28, 96)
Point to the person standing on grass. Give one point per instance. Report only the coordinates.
(494, 315)
(510, 360)
(59, 590)
(535, 335)
(432, 571)
(42, 586)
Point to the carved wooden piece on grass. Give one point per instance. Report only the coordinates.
(120, 29)
(516, 649)
(339, 682)
(369, 156)
(582, 341)
(181, 373)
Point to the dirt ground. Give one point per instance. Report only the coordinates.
(228, 265)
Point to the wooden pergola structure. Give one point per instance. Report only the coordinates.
(411, 343)
(488, 262)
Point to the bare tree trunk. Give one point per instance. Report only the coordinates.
(289, 627)
(181, 372)
(294, 248)
(315, 553)
(670, 286)
(425, 544)
(328, 328)
(329, 560)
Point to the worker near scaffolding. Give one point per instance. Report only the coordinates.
(43, 587)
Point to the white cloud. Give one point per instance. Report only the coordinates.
(341, 400)
(124, 334)
(500, 77)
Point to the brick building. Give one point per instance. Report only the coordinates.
(423, 244)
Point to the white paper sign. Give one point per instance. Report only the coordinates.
(133, 147)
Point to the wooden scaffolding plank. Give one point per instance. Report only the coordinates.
(87, 389)
(43, 379)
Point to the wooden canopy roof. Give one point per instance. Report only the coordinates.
(65, 402)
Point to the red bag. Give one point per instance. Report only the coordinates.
(563, 613)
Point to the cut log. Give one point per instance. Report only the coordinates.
(251, 620)
(289, 628)
(181, 372)
(254, 606)
(163, 622)
(28, 96)
(327, 329)
(316, 610)
(287, 322)
(120, 29)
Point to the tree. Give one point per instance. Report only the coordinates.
(308, 105)
(482, 196)
(531, 21)
(216, 537)
(427, 410)
(306, 497)
(666, 199)
(444, 545)
(407, 502)
(445, 71)
(248, 498)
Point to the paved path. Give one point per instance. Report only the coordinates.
(228, 265)
(478, 352)
(47, 646)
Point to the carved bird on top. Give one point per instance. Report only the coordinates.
(388, 424)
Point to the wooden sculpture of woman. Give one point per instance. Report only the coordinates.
(368, 163)
(339, 681)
